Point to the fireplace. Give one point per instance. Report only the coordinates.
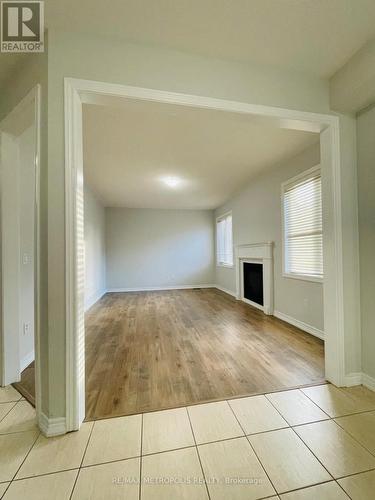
(254, 275)
(253, 282)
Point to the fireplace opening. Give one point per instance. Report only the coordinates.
(253, 282)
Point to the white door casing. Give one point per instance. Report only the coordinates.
(78, 92)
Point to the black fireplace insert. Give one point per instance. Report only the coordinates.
(253, 282)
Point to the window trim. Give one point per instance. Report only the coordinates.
(284, 185)
(219, 218)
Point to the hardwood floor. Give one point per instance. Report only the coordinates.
(154, 350)
(26, 386)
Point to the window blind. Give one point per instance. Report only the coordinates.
(303, 230)
(224, 240)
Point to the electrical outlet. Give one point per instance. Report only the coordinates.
(26, 328)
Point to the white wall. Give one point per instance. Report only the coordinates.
(256, 219)
(27, 200)
(159, 248)
(366, 199)
(95, 280)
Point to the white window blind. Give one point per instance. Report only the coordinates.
(224, 240)
(303, 231)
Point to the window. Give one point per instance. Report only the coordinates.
(303, 232)
(224, 240)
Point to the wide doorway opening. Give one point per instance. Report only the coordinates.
(187, 299)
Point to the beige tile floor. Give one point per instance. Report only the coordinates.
(293, 445)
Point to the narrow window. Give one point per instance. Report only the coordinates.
(224, 240)
(302, 226)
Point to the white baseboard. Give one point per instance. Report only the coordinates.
(353, 379)
(158, 288)
(225, 290)
(90, 301)
(26, 360)
(52, 426)
(300, 324)
(368, 381)
(360, 378)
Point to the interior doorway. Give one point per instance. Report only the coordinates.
(165, 238)
(19, 246)
(78, 92)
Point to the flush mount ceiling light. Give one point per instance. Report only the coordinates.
(171, 181)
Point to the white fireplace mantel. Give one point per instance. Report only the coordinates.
(260, 253)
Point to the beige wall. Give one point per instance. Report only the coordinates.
(366, 198)
(149, 248)
(257, 218)
(95, 265)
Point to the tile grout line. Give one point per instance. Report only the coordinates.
(83, 456)
(332, 419)
(44, 474)
(311, 401)
(197, 450)
(325, 420)
(324, 411)
(334, 479)
(341, 487)
(175, 449)
(10, 409)
(122, 459)
(36, 429)
(89, 466)
(255, 453)
(357, 473)
(140, 461)
(291, 427)
(303, 392)
(168, 450)
(23, 461)
(6, 489)
(241, 396)
(231, 399)
(372, 453)
(299, 437)
(302, 488)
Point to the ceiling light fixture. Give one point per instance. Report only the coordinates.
(171, 181)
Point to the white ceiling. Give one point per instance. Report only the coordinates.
(313, 36)
(129, 150)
